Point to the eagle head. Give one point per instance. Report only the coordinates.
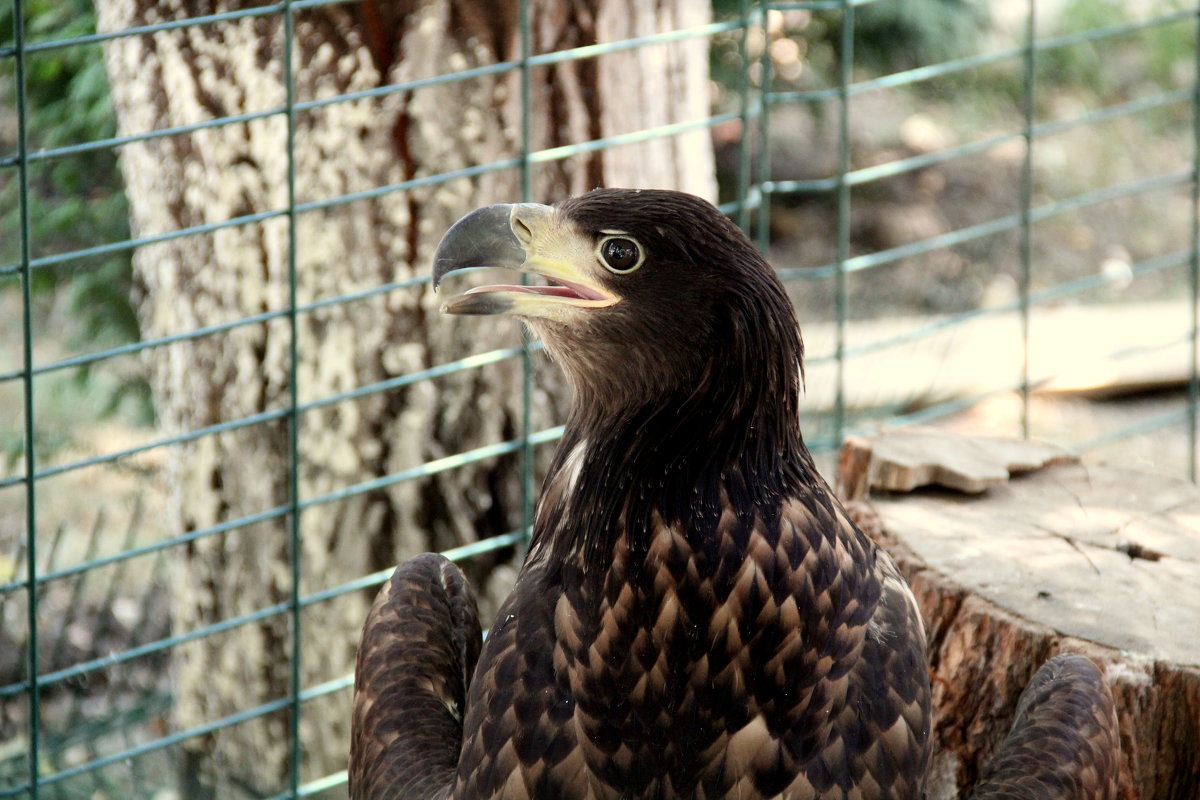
(646, 293)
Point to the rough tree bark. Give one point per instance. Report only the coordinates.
(194, 74)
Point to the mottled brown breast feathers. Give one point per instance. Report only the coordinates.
(780, 657)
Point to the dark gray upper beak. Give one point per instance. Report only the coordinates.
(483, 238)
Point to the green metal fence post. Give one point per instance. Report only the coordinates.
(1193, 396)
(845, 78)
(32, 684)
(746, 142)
(1026, 241)
(762, 230)
(528, 499)
(295, 546)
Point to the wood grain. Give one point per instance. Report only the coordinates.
(1099, 560)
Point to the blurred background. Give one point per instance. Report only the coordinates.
(228, 405)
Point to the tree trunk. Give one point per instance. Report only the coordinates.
(194, 74)
(1094, 559)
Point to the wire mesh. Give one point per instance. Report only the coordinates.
(80, 606)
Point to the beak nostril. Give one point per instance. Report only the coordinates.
(523, 231)
(526, 220)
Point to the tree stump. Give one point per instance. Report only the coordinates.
(1062, 557)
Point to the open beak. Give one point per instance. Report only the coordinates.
(524, 237)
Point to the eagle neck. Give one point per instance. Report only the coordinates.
(728, 438)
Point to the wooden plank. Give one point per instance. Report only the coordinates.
(905, 459)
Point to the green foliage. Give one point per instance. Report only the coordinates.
(889, 36)
(75, 202)
(895, 36)
(1082, 65)
(1098, 68)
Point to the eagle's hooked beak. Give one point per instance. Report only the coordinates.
(528, 238)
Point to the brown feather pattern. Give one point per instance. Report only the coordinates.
(783, 659)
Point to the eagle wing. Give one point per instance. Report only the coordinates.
(418, 650)
(876, 742)
(1064, 742)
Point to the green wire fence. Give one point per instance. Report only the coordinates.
(69, 729)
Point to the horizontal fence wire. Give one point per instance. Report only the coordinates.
(762, 95)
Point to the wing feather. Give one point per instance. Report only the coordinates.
(417, 652)
(1064, 742)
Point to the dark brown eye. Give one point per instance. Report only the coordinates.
(620, 254)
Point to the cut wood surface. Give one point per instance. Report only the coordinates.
(1069, 558)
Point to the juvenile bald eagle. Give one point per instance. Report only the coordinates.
(696, 616)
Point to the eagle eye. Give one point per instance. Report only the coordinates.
(620, 254)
